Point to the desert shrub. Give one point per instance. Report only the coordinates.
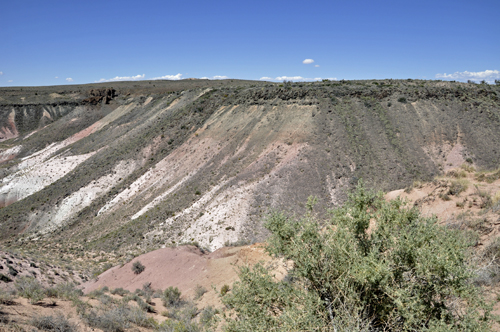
(96, 293)
(143, 305)
(207, 316)
(406, 274)
(5, 297)
(402, 100)
(468, 166)
(119, 291)
(171, 297)
(147, 290)
(458, 187)
(224, 289)
(456, 174)
(116, 318)
(66, 290)
(138, 268)
(199, 291)
(178, 326)
(488, 177)
(138, 317)
(57, 323)
(485, 197)
(30, 288)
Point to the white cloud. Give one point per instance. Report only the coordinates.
(69, 79)
(122, 78)
(290, 78)
(216, 77)
(10, 81)
(265, 78)
(317, 66)
(308, 61)
(1, 73)
(487, 75)
(56, 77)
(169, 77)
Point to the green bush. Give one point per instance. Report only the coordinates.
(224, 290)
(138, 268)
(402, 273)
(171, 297)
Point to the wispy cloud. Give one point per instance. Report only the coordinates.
(122, 78)
(169, 77)
(317, 66)
(265, 78)
(308, 61)
(56, 77)
(216, 77)
(1, 73)
(69, 79)
(487, 75)
(10, 81)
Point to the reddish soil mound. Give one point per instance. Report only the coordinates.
(184, 267)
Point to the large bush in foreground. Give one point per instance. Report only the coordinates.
(372, 265)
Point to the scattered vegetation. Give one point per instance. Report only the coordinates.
(57, 323)
(406, 273)
(30, 288)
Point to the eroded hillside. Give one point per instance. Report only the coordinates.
(119, 167)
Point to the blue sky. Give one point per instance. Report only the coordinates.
(74, 42)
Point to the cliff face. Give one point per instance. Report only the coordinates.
(169, 162)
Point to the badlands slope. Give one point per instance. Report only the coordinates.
(136, 166)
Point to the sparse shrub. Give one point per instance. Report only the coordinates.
(119, 291)
(57, 323)
(96, 293)
(147, 289)
(444, 196)
(66, 290)
(458, 187)
(199, 291)
(224, 290)
(486, 200)
(407, 274)
(138, 317)
(5, 297)
(30, 288)
(171, 297)
(402, 100)
(143, 305)
(137, 267)
(108, 319)
(177, 326)
(456, 174)
(207, 316)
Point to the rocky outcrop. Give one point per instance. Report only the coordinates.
(96, 96)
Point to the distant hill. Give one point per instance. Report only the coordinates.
(128, 165)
